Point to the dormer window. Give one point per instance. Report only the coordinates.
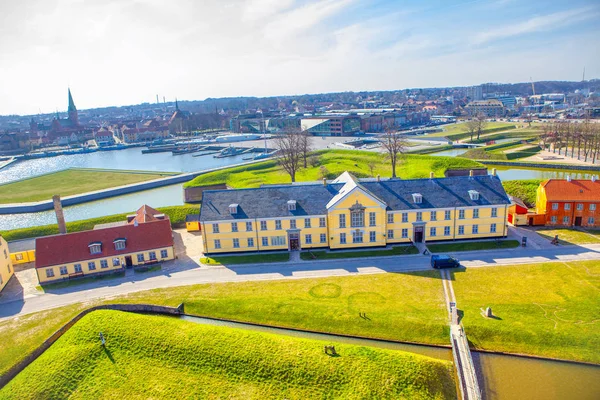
(417, 198)
(120, 244)
(95, 248)
(291, 205)
(474, 194)
(233, 208)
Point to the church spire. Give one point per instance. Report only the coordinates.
(176, 105)
(72, 110)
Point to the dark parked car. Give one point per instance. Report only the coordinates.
(444, 261)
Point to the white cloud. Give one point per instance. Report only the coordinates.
(535, 24)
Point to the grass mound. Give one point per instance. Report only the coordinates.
(162, 357)
(523, 189)
(70, 182)
(330, 164)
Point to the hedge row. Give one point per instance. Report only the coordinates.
(176, 215)
(523, 153)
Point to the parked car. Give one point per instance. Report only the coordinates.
(444, 261)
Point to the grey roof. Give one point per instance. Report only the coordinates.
(271, 202)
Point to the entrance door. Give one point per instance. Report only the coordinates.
(294, 241)
(128, 262)
(577, 221)
(530, 221)
(418, 236)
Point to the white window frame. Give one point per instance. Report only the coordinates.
(323, 238)
(64, 270)
(446, 231)
(493, 228)
(293, 224)
(307, 223)
(404, 217)
(308, 238)
(217, 243)
(164, 254)
(265, 241)
(593, 207)
(372, 219)
(566, 220)
(215, 228)
(475, 213)
(419, 216)
(404, 233)
(447, 215)
(263, 225)
(322, 222)
(591, 220)
(390, 233)
(140, 257)
(356, 235)
(461, 229)
(236, 243)
(475, 229)
(553, 219)
(390, 218)
(433, 216)
(277, 224)
(343, 238)
(342, 220)
(555, 206)
(250, 242)
(152, 256)
(579, 207)
(249, 226)
(372, 236)
(91, 265)
(77, 268)
(103, 263)
(461, 214)
(234, 227)
(494, 212)
(567, 206)
(49, 272)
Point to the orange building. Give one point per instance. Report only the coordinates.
(569, 202)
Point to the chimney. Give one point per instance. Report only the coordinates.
(431, 175)
(568, 178)
(593, 178)
(135, 222)
(60, 217)
(494, 173)
(378, 178)
(324, 181)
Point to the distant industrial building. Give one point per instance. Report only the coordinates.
(489, 108)
(475, 93)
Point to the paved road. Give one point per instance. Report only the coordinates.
(185, 271)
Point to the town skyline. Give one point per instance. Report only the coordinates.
(121, 53)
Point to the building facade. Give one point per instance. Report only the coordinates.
(351, 213)
(145, 238)
(6, 266)
(569, 202)
(489, 108)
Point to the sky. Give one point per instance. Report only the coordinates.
(120, 52)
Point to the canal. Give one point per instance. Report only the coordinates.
(502, 377)
(133, 159)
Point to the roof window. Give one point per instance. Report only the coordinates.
(417, 198)
(291, 205)
(233, 209)
(474, 194)
(120, 244)
(95, 248)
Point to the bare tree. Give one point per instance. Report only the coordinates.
(289, 153)
(476, 124)
(394, 145)
(305, 145)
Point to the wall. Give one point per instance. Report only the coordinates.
(370, 204)
(43, 278)
(6, 267)
(137, 308)
(22, 257)
(194, 194)
(572, 213)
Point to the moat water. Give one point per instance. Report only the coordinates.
(501, 377)
(133, 159)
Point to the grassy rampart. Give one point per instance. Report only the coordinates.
(70, 182)
(166, 358)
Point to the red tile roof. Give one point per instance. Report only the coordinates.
(575, 190)
(73, 247)
(146, 214)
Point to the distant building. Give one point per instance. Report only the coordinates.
(331, 125)
(144, 238)
(489, 108)
(6, 267)
(569, 202)
(104, 137)
(475, 93)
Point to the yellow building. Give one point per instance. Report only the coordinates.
(22, 251)
(192, 222)
(6, 267)
(351, 213)
(145, 238)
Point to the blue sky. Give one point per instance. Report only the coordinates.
(116, 52)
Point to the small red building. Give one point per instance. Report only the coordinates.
(569, 202)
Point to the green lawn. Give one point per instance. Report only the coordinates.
(327, 255)
(330, 164)
(523, 189)
(460, 131)
(550, 309)
(472, 246)
(176, 215)
(406, 307)
(571, 236)
(245, 259)
(71, 181)
(167, 358)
